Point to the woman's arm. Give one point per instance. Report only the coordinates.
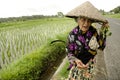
(71, 47)
(104, 32)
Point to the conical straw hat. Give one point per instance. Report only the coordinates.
(86, 10)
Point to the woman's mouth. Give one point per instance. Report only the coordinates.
(85, 26)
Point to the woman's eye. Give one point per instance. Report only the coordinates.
(88, 21)
(83, 20)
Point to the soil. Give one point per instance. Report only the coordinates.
(52, 69)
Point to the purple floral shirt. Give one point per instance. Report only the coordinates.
(77, 46)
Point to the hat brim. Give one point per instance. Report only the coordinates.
(86, 10)
(93, 19)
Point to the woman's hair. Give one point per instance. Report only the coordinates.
(78, 18)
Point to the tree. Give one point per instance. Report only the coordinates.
(116, 10)
(102, 11)
(60, 14)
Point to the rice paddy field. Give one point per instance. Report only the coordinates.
(24, 37)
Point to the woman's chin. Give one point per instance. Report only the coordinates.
(84, 30)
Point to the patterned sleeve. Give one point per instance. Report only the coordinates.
(71, 48)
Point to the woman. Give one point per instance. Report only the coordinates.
(83, 41)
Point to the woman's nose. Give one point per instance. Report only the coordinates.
(85, 23)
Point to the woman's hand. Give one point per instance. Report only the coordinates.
(80, 64)
(106, 24)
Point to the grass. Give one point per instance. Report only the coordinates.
(64, 72)
(30, 66)
(30, 23)
(113, 16)
(23, 37)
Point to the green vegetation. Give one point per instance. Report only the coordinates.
(113, 15)
(25, 46)
(64, 72)
(23, 37)
(24, 18)
(30, 66)
(30, 23)
(116, 10)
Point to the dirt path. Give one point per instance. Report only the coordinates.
(52, 69)
(100, 67)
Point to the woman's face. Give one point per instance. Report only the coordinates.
(84, 24)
